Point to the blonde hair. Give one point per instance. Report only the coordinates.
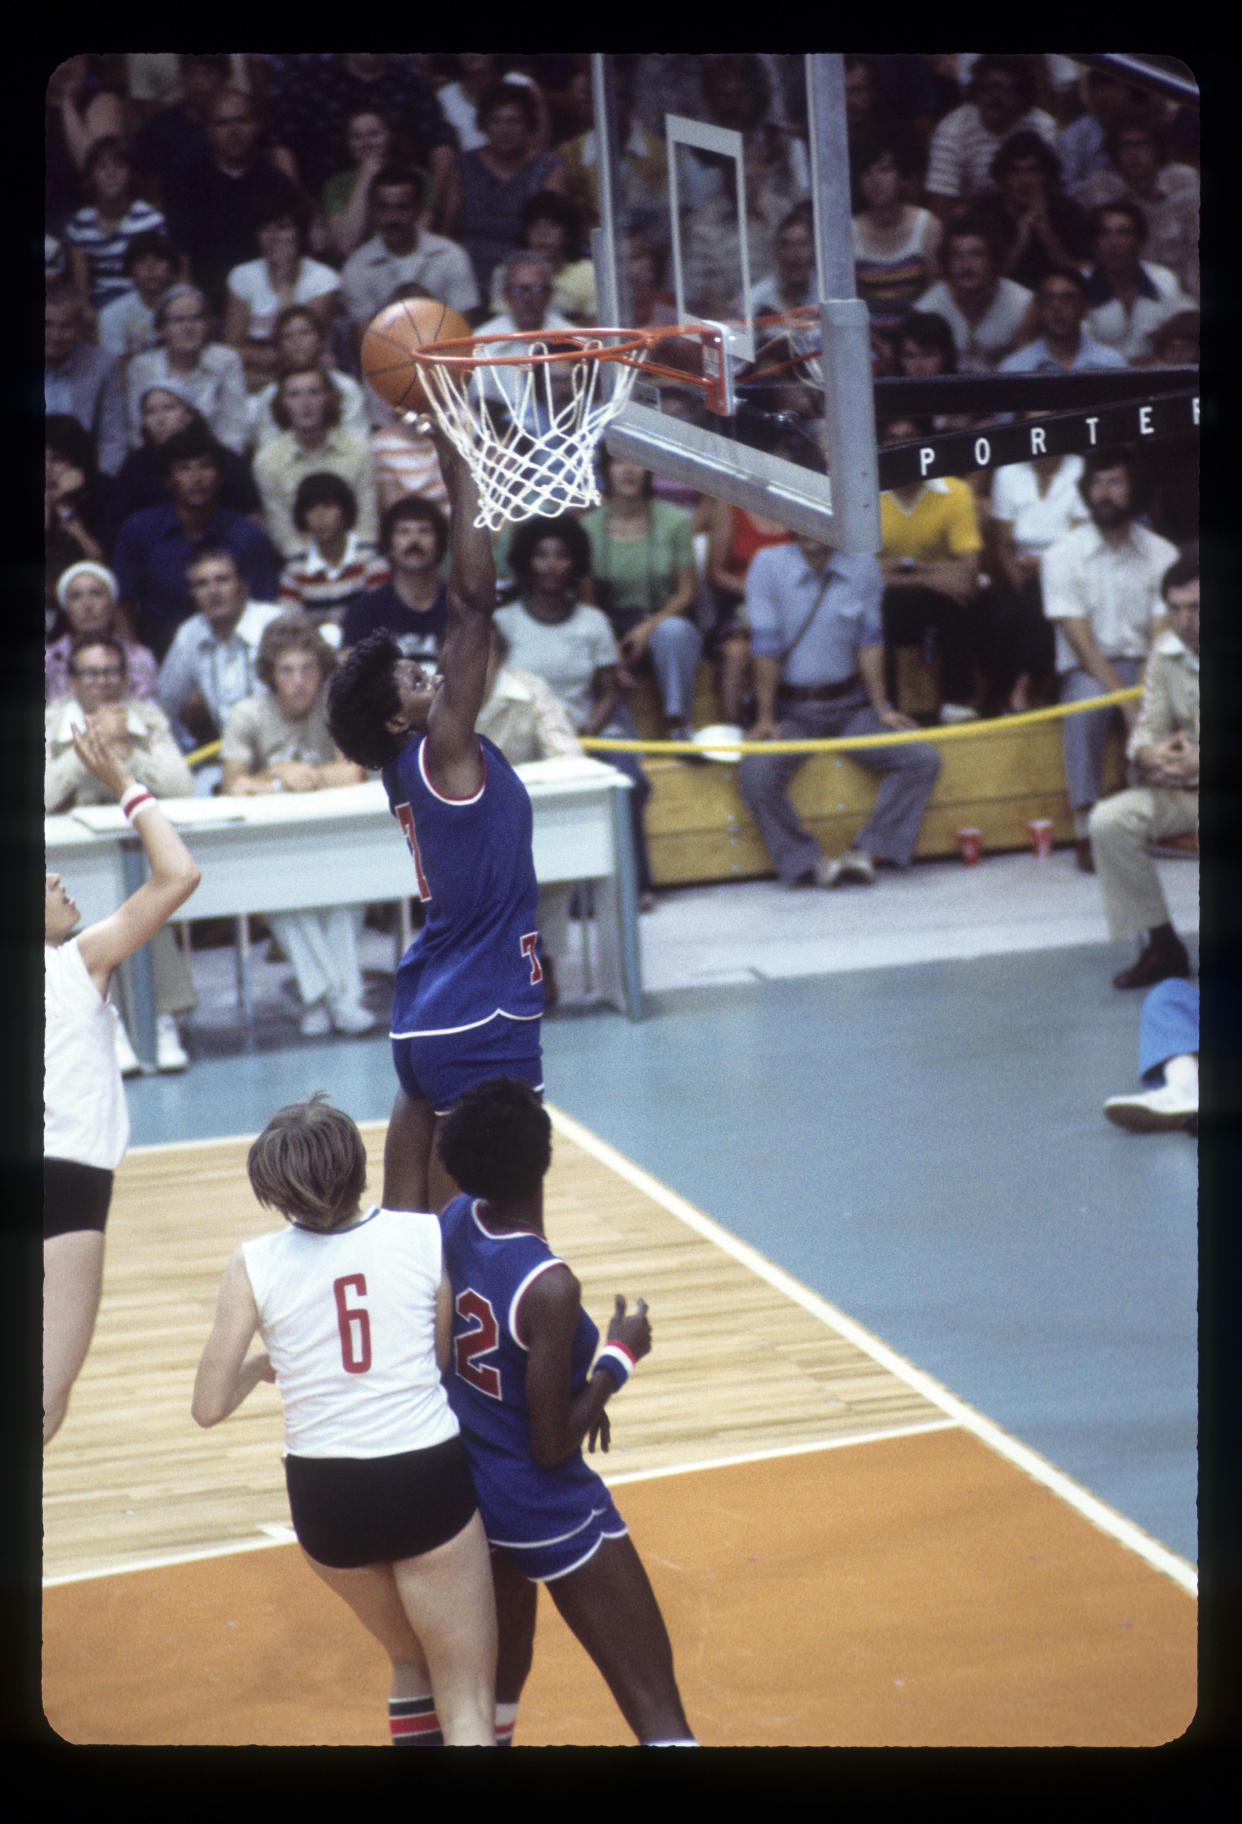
(310, 1164)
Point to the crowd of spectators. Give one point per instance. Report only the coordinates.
(220, 229)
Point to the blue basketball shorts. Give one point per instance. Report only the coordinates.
(439, 1067)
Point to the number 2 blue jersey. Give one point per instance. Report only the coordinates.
(521, 1502)
(477, 954)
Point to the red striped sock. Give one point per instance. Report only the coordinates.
(414, 1723)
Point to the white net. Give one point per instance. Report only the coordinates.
(528, 428)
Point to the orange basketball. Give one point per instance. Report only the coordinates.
(389, 337)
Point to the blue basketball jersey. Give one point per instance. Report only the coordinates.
(521, 1502)
(477, 954)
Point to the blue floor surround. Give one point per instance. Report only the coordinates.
(920, 1145)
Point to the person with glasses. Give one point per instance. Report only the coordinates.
(137, 733)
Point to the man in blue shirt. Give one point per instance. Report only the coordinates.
(155, 545)
(818, 644)
(1062, 299)
(413, 606)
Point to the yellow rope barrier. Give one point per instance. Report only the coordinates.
(954, 731)
(207, 752)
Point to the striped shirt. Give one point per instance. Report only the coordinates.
(960, 156)
(105, 248)
(324, 590)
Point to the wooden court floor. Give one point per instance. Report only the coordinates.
(845, 1555)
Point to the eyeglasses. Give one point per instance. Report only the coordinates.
(531, 291)
(103, 674)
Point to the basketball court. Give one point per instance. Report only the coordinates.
(912, 1461)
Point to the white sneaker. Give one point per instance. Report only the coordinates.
(1153, 1111)
(126, 1056)
(315, 1020)
(169, 1051)
(351, 1016)
(957, 712)
(854, 865)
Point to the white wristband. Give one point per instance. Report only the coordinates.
(135, 800)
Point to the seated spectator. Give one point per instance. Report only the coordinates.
(1034, 224)
(299, 340)
(210, 374)
(643, 576)
(370, 143)
(283, 274)
(925, 348)
(527, 288)
(1101, 585)
(1174, 507)
(1081, 145)
(307, 407)
(643, 167)
(789, 281)
(527, 722)
(735, 534)
(126, 325)
(154, 545)
(82, 106)
(474, 75)
(896, 243)
(212, 207)
(87, 596)
(98, 235)
(1130, 297)
(551, 229)
(1168, 1064)
(651, 304)
(814, 616)
(335, 566)
(552, 631)
(78, 502)
(80, 380)
(1061, 346)
(165, 409)
(404, 251)
(1163, 750)
(929, 563)
(1032, 505)
(278, 741)
(498, 178)
(138, 730)
(1000, 100)
(406, 461)
(311, 92)
(1140, 171)
(412, 606)
(987, 313)
(210, 665)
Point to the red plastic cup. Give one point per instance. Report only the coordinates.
(1041, 836)
(970, 844)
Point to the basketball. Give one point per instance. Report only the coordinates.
(386, 362)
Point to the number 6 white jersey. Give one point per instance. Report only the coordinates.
(348, 1319)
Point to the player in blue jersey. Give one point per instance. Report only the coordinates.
(468, 997)
(529, 1387)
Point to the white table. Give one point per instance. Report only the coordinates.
(342, 846)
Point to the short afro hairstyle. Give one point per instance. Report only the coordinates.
(362, 696)
(532, 532)
(496, 1140)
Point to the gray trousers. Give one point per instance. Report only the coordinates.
(908, 773)
(1084, 737)
(1121, 827)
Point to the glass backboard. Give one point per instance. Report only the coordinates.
(724, 198)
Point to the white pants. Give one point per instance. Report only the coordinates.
(323, 949)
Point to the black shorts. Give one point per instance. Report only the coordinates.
(74, 1197)
(350, 1511)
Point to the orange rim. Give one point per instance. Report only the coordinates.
(577, 344)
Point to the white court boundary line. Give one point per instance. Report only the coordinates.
(1107, 1519)
(956, 1411)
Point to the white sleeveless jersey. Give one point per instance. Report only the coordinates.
(84, 1113)
(348, 1320)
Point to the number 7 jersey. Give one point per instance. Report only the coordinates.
(348, 1319)
(477, 954)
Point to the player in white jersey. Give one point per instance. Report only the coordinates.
(354, 1314)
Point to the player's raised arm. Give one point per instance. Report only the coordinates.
(453, 750)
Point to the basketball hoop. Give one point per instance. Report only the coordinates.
(526, 409)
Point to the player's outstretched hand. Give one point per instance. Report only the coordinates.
(101, 759)
(634, 1332)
